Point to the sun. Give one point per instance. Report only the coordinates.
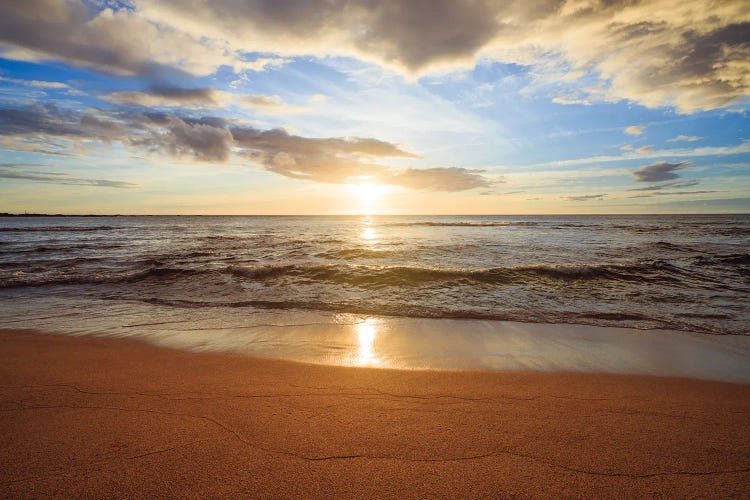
(367, 192)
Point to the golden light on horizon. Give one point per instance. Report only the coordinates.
(367, 196)
(367, 191)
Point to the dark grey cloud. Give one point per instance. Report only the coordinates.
(51, 120)
(585, 197)
(180, 138)
(413, 35)
(214, 139)
(62, 178)
(39, 119)
(659, 172)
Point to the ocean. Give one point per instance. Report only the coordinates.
(682, 272)
(493, 292)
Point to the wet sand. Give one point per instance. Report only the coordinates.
(94, 417)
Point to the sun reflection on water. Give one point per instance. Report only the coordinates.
(368, 234)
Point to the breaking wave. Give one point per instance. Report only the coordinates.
(371, 276)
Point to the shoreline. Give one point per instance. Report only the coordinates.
(94, 416)
(395, 342)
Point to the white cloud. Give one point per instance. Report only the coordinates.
(635, 129)
(685, 138)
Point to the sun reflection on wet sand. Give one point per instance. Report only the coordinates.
(366, 332)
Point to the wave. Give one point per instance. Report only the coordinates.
(58, 229)
(404, 276)
(370, 276)
(665, 245)
(401, 309)
(356, 253)
(463, 224)
(63, 249)
(738, 259)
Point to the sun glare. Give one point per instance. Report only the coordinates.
(367, 191)
(367, 196)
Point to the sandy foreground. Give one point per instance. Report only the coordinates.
(93, 417)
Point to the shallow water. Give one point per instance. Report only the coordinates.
(393, 342)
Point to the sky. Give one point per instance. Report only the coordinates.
(374, 106)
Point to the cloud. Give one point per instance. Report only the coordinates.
(39, 84)
(741, 148)
(668, 185)
(412, 36)
(635, 129)
(685, 138)
(214, 139)
(117, 41)
(62, 178)
(341, 160)
(491, 192)
(171, 96)
(162, 96)
(178, 137)
(671, 193)
(658, 172)
(438, 179)
(585, 197)
(692, 55)
(49, 120)
(271, 104)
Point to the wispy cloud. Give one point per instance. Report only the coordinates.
(685, 138)
(61, 178)
(668, 185)
(271, 104)
(585, 197)
(742, 148)
(643, 150)
(171, 96)
(204, 97)
(39, 84)
(673, 193)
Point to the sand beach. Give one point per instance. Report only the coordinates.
(95, 417)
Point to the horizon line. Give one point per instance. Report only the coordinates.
(8, 214)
